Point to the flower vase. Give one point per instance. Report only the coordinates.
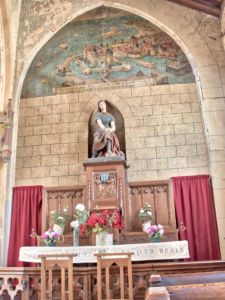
(52, 244)
(76, 240)
(104, 239)
(154, 239)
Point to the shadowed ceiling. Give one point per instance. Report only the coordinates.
(211, 7)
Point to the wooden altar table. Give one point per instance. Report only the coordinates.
(85, 254)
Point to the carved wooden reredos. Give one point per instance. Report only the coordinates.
(156, 193)
(58, 198)
(120, 127)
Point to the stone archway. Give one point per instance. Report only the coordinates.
(172, 19)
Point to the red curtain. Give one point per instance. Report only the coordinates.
(26, 215)
(195, 209)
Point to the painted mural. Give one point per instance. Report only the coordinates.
(106, 47)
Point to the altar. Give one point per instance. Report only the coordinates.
(85, 254)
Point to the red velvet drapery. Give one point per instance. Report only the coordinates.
(26, 215)
(195, 209)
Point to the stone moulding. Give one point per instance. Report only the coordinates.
(6, 118)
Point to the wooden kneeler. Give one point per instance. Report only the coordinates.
(122, 260)
(65, 263)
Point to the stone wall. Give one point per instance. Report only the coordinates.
(163, 128)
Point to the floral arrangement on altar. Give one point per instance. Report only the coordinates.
(145, 213)
(50, 237)
(81, 215)
(59, 219)
(153, 231)
(102, 222)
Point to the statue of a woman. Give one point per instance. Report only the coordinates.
(106, 142)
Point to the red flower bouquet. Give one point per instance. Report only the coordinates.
(103, 221)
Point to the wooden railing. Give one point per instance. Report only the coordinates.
(24, 283)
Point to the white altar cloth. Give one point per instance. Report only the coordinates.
(85, 254)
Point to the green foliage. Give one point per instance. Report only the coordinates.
(145, 213)
(60, 218)
(81, 214)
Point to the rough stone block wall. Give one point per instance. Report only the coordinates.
(163, 128)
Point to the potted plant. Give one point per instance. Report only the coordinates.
(145, 214)
(50, 237)
(59, 219)
(155, 232)
(80, 215)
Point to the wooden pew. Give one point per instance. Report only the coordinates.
(208, 291)
(190, 286)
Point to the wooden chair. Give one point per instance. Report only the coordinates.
(122, 260)
(64, 262)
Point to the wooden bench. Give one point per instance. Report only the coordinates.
(191, 286)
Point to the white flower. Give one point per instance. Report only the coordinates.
(57, 228)
(160, 229)
(74, 224)
(60, 218)
(161, 232)
(142, 211)
(146, 226)
(65, 209)
(160, 226)
(51, 234)
(52, 212)
(149, 213)
(80, 207)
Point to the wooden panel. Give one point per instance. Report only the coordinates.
(105, 191)
(157, 194)
(210, 291)
(105, 183)
(59, 198)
